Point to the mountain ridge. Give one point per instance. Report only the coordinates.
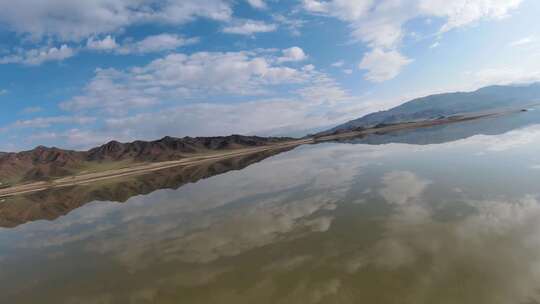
(45, 163)
(53, 203)
(42, 163)
(448, 104)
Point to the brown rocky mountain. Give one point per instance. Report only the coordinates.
(39, 163)
(53, 203)
(44, 163)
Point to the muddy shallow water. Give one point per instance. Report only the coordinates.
(441, 215)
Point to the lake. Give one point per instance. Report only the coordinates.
(448, 214)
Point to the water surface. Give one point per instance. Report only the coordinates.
(442, 215)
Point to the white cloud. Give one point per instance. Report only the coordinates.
(69, 20)
(309, 108)
(293, 54)
(39, 56)
(180, 76)
(3, 92)
(463, 12)
(261, 117)
(157, 43)
(259, 4)
(202, 94)
(112, 90)
(383, 65)
(45, 122)
(256, 117)
(380, 24)
(338, 64)
(347, 10)
(504, 76)
(108, 43)
(292, 23)
(249, 27)
(523, 41)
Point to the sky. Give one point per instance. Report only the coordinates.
(76, 73)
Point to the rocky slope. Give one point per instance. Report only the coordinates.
(490, 98)
(51, 204)
(43, 163)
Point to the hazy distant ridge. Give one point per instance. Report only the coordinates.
(447, 104)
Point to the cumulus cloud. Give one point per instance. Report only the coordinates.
(112, 90)
(202, 94)
(177, 95)
(463, 12)
(259, 4)
(347, 10)
(45, 122)
(179, 76)
(67, 20)
(261, 117)
(383, 65)
(293, 54)
(157, 43)
(380, 24)
(319, 104)
(504, 76)
(249, 27)
(150, 44)
(292, 24)
(75, 138)
(106, 44)
(39, 56)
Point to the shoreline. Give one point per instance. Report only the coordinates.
(140, 169)
(143, 168)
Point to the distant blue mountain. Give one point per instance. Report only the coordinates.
(490, 98)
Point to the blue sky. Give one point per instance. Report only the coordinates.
(76, 74)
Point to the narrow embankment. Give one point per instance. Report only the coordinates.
(143, 168)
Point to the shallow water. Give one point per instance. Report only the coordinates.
(442, 215)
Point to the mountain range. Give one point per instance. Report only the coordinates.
(492, 98)
(43, 163)
(53, 203)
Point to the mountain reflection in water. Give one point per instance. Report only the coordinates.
(50, 204)
(452, 132)
(53, 203)
(452, 222)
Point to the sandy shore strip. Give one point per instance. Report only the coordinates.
(143, 168)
